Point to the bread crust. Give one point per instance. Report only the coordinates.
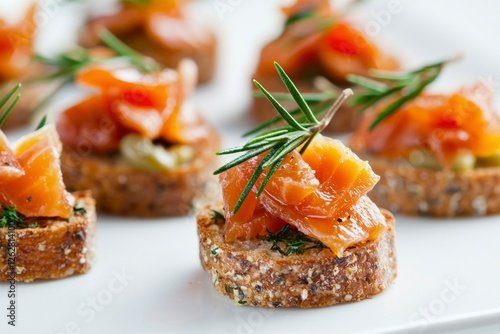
(424, 192)
(345, 119)
(57, 249)
(252, 274)
(124, 190)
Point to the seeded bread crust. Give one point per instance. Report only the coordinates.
(57, 248)
(417, 191)
(252, 274)
(262, 109)
(124, 190)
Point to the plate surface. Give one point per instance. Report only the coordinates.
(147, 277)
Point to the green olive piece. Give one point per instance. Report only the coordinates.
(491, 161)
(142, 153)
(426, 159)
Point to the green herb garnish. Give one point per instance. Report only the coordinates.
(390, 84)
(67, 64)
(6, 99)
(79, 210)
(9, 215)
(308, 13)
(70, 63)
(319, 103)
(217, 215)
(298, 132)
(140, 61)
(42, 123)
(137, 2)
(287, 241)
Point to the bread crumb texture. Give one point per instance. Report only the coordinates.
(417, 191)
(250, 273)
(57, 248)
(124, 190)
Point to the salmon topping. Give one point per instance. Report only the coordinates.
(316, 39)
(16, 45)
(36, 189)
(163, 21)
(320, 193)
(446, 125)
(129, 101)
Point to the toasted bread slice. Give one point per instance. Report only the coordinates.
(250, 273)
(418, 191)
(56, 249)
(345, 120)
(121, 189)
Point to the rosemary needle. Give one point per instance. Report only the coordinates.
(387, 84)
(3, 102)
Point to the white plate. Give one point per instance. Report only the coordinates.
(448, 269)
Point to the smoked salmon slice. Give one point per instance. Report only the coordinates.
(10, 168)
(40, 191)
(130, 101)
(321, 193)
(447, 125)
(319, 40)
(16, 45)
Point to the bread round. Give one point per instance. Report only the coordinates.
(345, 119)
(57, 248)
(124, 190)
(418, 191)
(250, 273)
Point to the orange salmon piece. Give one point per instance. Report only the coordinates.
(40, 192)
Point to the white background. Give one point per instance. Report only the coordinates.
(169, 292)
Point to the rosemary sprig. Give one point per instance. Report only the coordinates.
(287, 241)
(308, 97)
(389, 84)
(3, 102)
(319, 103)
(69, 63)
(305, 14)
(277, 143)
(140, 61)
